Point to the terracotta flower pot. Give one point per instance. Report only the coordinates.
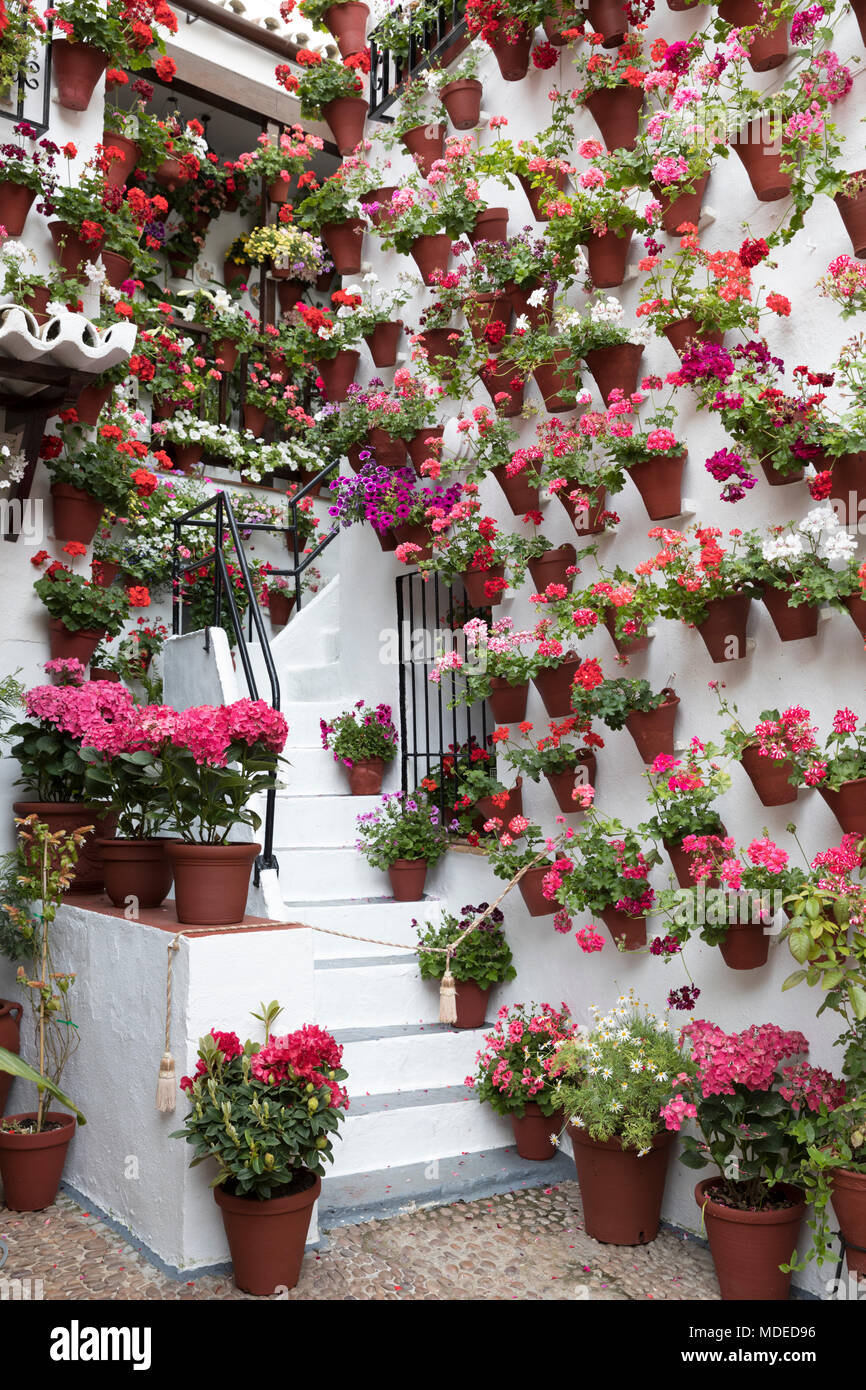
(97, 675)
(234, 274)
(226, 354)
(488, 810)
(431, 253)
(522, 496)
(471, 1001)
(554, 25)
(857, 608)
(680, 333)
(365, 776)
(171, 174)
(532, 1132)
(653, 729)
(389, 450)
(383, 341)
(408, 877)
(678, 208)
(16, 201)
(853, 213)
(859, 8)
(280, 605)
(504, 381)
(36, 300)
(778, 479)
(537, 196)
(608, 18)
(507, 702)
(681, 861)
(423, 445)
(627, 932)
(10, 1038)
(267, 1238)
(848, 805)
(415, 535)
(513, 58)
(532, 891)
(520, 295)
(490, 225)
(76, 514)
(554, 379)
(462, 101)
(554, 687)
(211, 882)
(345, 241)
(65, 644)
(849, 1203)
(748, 1246)
(551, 567)
(724, 628)
(77, 68)
(381, 196)
(426, 144)
(624, 646)
(118, 269)
(348, 24)
(485, 310)
(347, 117)
(73, 815)
(31, 1165)
(130, 152)
(442, 343)
(621, 1194)
(135, 868)
(90, 402)
(586, 520)
(607, 256)
(746, 946)
(659, 480)
(186, 457)
(767, 50)
(762, 164)
(474, 582)
(255, 420)
(289, 293)
(615, 366)
(790, 623)
(278, 191)
(616, 112)
(849, 481)
(338, 372)
(563, 783)
(769, 776)
(71, 252)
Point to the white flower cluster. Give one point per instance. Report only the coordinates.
(12, 466)
(830, 540)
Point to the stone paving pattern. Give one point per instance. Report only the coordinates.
(526, 1245)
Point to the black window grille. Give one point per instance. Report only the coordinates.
(443, 38)
(32, 94)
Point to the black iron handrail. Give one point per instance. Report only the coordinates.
(389, 74)
(224, 523)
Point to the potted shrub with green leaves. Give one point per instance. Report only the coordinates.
(648, 715)
(87, 36)
(363, 739)
(682, 796)
(481, 960)
(613, 1080)
(605, 870)
(404, 836)
(267, 1113)
(81, 612)
(569, 766)
(332, 91)
(517, 1071)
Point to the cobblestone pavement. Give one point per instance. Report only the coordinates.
(521, 1245)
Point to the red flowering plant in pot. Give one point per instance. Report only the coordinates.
(682, 793)
(746, 1090)
(473, 549)
(404, 836)
(24, 174)
(93, 473)
(518, 851)
(87, 36)
(590, 227)
(568, 765)
(540, 165)
(267, 1113)
(364, 740)
(481, 959)
(605, 871)
(611, 87)
(507, 27)
(33, 1144)
(81, 612)
(705, 585)
(332, 91)
(516, 1073)
(565, 462)
(648, 714)
(626, 605)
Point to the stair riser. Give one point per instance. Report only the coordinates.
(389, 921)
(320, 820)
(310, 873)
(433, 1059)
(368, 996)
(418, 1135)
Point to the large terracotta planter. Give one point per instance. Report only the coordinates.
(653, 729)
(408, 877)
(607, 17)
(345, 241)
(471, 1001)
(554, 379)
(748, 1246)
(267, 1238)
(211, 882)
(462, 101)
(615, 366)
(531, 890)
(76, 515)
(554, 687)
(69, 816)
(551, 567)
(627, 933)
(769, 776)
(522, 496)
(790, 623)
(849, 1203)
(338, 372)
(563, 783)
(425, 444)
(431, 253)
(365, 776)
(678, 208)
(31, 1165)
(607, 256)
(16, 201)
(532, 1132)
(513, 58)
(767, 50)
(71, 252)
(65, 644)
(10, 1038)
(659, 480)
(346, 116)
(426, 144)
(853, 213)
(616, 112)
(746, 946)
(621, 1194)
(77, 68)
(724, 628)
(507, 702)
(490, 225)
(474, 582)
(848, 805)
(137, 869)
(383, 341)
(762, 164)
(849, 482)
(130, 152)
(682, 333)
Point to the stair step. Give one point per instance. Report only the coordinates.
(320, 819)
(381, 918)
(313, 681)
(303, 719)
(312, 772)
(414, 1127)
(460, 1176)
(378, 990)
(309, 872)
(418, 1055)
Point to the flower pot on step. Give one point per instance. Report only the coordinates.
(462, 101)
(564, 783)
(426, 144)
(512, 56)
(69, 816)
(10, 1038)
(554, 687)
(849, 1203)
(791, 623)
(16, 200)
(346, 116)
(552, 567)
(76, 515)
(365, 776)
(616, 112)
(408, 877)
(748, 1246)
(345, 241)
(762, 163)
(31, 1165)
(135, 868)
(522, 496)
(659, 480)
(848, 805)
(267, 1238)
(507, 702)
(628, 933)
(383, 341)
(338, 372)
(431, 253)
(724, 628)
(531, 887)
(653, 729)
(853, 212)
(77, 68)
(746, 946)
(767, 49)
(615, 366)
(533, 1131)
(211, 882)
(621, 1193)
(607, 256)
(471, 1001)
(769, 776)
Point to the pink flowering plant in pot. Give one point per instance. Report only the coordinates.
(606, 871)
(364, 739)
(517, 1070)
(403, 836)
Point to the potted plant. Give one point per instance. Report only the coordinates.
(649, 452)
(794, 563)
(516, 1074)
(23, 175)
(530, 861)
(569, 767)
(771, 751)
(626, 605)
(90, 474)
(33, 1144)
(707, 586)
(277, 160)
(612, 90)
(682, 794)
(492, 667)
(80, 611)
(420, 125)
(607, 873)
(481, 960)
(21, 33)
(403, 836)
(87, 35)
(267, 1113)
(363, 739)
(460, 91)
(345, 19)
(647, 714)
(838, 770)
(507, 27)
(473, 550)
(613, 1080)
(332, 91)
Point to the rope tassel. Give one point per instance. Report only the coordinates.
(448, 995)
(166, 1086)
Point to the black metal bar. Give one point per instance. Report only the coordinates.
(30, 84)
(435, 42)
(401, 687)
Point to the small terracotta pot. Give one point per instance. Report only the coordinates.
(211, 882)
(16, 201)
(423, 445)
(226, 354)
(532, 1132)
(849, 1203)
(31, 1165)
(426, 144)
(280, 605)
(790, 623)
(120, 169)
(485, 310)
(347, 117)
(471, 1001)
(531, 890)
(681, 333)
(681, 861)
(338, 372)
(563, 783)
(267, 1239)
(117, 269)
(490, 225)
(659, 481)
(556, 378)
(678, 208)
(724, 628)
(76, 514)
(507, 702)
(653, 730)
(365, 776)
(621, 1194)
(474, 582)
(513, 58)
(538, 194)
(255, 420)
(776, 478)
(431, 253)
(170, 175)
(69, 816)
(91, 400)
(289, 293)
(97, 675)
(519, 295)
(73, 253)
(848, 805)
(186, 457)
(853, 213)
(500, 381)
(629, 646)
(462, 101)
(746, 946)
(615, 366)
(767, 50)
(278, 191)
(627, 933)
(77, 68)
(383, 341)
(135, 868)
(554, 687)
(348, 24)
(10, 1038)
(488, 810)
(762, 165)
(37, 300)
(769, 776)
(65, 644)
(522, 496)
(382, 196)
(415, 535)
(857, 608)
(408, 877)
(389, 451)
(345, 241)
(608, 18)
(849, 482)
(586, 520)
(234, 274)
(748, 1246)
(551, 567)
(441, 343)
(616, 112)
(607, 256)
